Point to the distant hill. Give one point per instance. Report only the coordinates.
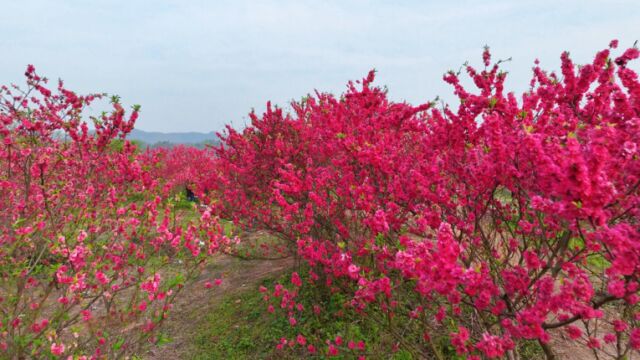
(152, 137)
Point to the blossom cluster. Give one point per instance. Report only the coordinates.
(502, 220)
(86, 231)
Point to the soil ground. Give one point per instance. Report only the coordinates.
(238, 276)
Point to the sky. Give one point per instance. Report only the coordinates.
(198, 65)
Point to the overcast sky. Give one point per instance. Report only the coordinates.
(197, 65)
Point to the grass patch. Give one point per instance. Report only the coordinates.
(239, 328)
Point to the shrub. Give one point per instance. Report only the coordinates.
(489, 225)
(91, 255)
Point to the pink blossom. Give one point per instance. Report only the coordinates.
(57, 349)
(295, 279)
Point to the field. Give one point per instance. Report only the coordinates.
(350, 226)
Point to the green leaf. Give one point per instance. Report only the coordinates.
(118, 344)
(18, 223)
(175, 281)
(380, 239)
(163, 339)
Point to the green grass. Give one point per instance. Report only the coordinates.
(255, 245)
(239, 328)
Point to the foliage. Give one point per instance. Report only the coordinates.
(239, 328)
(91, 253)
(183, 167)
(492, 224)
(435, 232)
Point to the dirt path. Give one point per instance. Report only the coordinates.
(238, 275)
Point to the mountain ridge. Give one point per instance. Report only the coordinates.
(190, 137)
